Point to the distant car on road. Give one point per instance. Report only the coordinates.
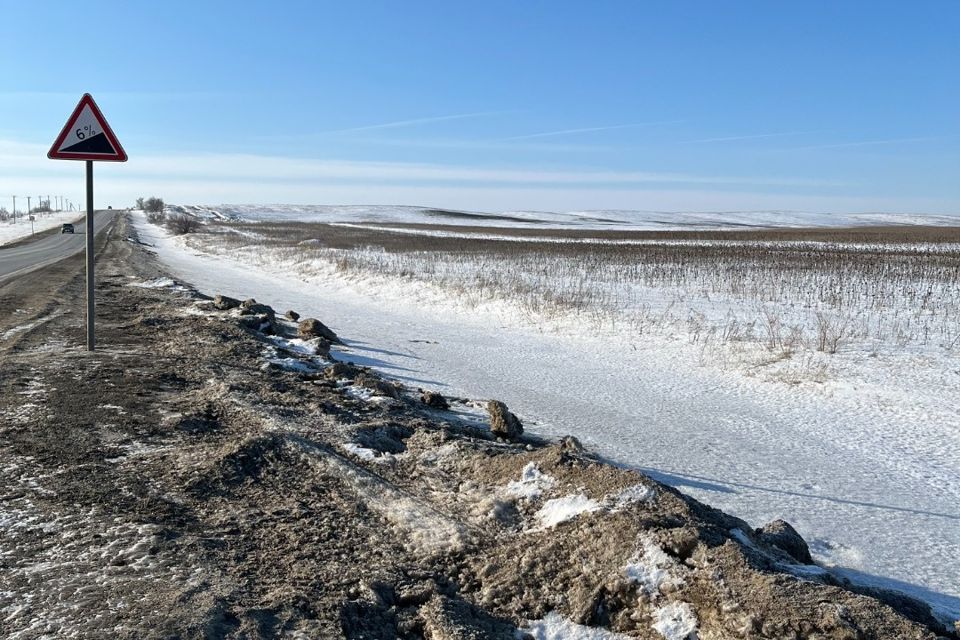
(66, 228)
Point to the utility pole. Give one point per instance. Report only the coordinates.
(28, 205)
(14, 209)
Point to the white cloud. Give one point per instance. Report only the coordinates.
(218, 178)
(32, 158)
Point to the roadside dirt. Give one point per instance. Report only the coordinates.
(195, 478)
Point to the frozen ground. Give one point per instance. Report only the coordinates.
(865, 464)
(10, 231)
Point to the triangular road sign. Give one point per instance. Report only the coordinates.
(87, 136)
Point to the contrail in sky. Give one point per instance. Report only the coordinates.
(749, 137)
(416, 121)
(589, 129)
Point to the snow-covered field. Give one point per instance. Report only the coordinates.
(600, 219)
(857, 449)
(11, 232)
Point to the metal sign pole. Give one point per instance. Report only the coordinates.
(87, 137)
(91, 340)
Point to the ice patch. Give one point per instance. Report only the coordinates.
(9, 333)
(291, 364)
(832, 553)
(361, 452)
(156, 283)
(556, 627)
(365, 395)
(193, 311)
(631, 495)
(812, 572)
(558, 510)
(742, 538)
(364, 453)
(297, 345)
(532, 483)
(675, 621)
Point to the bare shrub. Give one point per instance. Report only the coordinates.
(153, 205)
(831, 330)
(156, 217)
(180, 224)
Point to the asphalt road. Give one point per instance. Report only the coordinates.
(29, 256)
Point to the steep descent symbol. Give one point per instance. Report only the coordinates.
(87, 136)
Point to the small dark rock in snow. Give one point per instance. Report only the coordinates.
(571, 444)
(321, 346)
(292, 315)
(502, 422)
(388, 438)
(781, 535)
(434, 400)
(224, 303)
(261, 322)
(252, 307)
(377, 385)
(313, 328)
(341, 370)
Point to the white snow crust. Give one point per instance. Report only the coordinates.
(555, 627)
(558, 510)
(652, 568)
(675, 621)
(532, 483)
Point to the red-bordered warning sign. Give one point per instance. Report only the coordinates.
(87, 136)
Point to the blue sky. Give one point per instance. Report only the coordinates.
(824, 106)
